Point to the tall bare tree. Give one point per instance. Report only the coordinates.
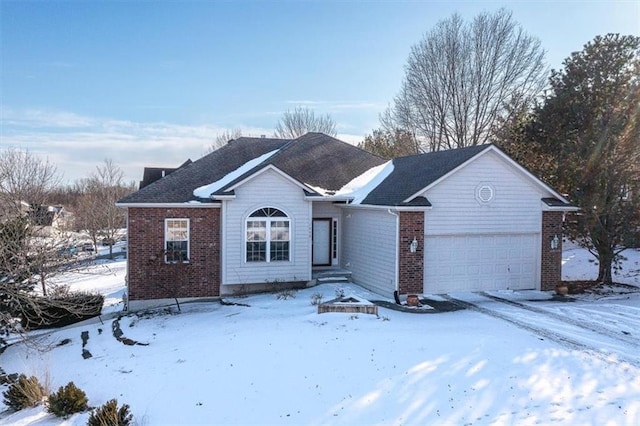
(26, 250)
(96, 210)
(301, 120)
(25, 180)
(223, 138)
(460, 76)
(27, 253)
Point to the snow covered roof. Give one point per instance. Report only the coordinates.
(320, 165)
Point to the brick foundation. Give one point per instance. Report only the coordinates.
(411, 274)
(149, 277)
(551, 261)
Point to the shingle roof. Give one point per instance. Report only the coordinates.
(319, 160)
(416, 172)
(314, 159)
(178, 186)
(152, 174)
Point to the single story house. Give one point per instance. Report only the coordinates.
(262, 211)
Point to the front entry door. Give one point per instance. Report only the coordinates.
(321, 238)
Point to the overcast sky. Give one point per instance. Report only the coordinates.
(152, 83)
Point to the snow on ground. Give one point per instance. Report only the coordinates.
(529, 360)
(578, 264)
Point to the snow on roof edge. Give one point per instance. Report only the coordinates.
(205, 191)
(360, 187)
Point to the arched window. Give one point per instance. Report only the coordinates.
(267, 236)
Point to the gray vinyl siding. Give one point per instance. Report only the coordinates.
(516, 206)
(369, 248)
(326, 209)
(269, 189)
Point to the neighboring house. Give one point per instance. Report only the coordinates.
(152, 174)
(260, 210)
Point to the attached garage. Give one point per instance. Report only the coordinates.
(475, 262)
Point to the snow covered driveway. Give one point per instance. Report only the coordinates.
(611, 331)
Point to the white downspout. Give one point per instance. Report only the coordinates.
(397, 256)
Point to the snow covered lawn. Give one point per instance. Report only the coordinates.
(523, 361)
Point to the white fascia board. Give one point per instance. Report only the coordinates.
(376, 207)
(547, 208)
(277, 170)
(172, 205)
(328, 198)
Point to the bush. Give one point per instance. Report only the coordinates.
(61, 310)
(67, 400)
(24, 392)
(110, 415)
(316, 299)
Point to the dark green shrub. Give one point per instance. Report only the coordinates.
(24, 392)
(110, 415)
(67, 400)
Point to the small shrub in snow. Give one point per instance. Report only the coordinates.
(109, 414)
(339, 292)
(286, 294)
(316, 299)
(67, 400)
(24, 392)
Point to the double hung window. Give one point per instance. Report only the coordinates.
(176, 240)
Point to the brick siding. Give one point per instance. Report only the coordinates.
(551, 262)
(149, 277)
(411, 274)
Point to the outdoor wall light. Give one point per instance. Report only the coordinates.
(413, 246)
(554, 242)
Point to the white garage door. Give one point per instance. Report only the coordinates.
(481, 262)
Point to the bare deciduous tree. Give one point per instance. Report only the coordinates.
(223, 138)
(96, 210)
(24, 178)
(460, 76)
(28, 253)
(301, 120)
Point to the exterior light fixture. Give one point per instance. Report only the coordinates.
(554, 242)
(413, 246)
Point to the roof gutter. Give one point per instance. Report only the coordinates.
(172, 205)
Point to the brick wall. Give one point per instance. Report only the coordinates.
(411, 274)
(551, 262)
(150, 278)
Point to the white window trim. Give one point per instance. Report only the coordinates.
(166, 227)
(268, 221)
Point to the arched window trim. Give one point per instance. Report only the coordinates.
(267, 236)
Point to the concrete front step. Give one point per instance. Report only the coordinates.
(332, 276)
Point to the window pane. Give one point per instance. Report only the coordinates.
(279, 250)
(256, 251)
(177, 230)
(256, 230)
(280, 230)
(177, 251)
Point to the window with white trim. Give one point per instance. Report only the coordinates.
(176, 240)
(268, 236)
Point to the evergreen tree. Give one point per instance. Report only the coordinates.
(589, 124)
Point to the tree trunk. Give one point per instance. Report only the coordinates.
(605, 258)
